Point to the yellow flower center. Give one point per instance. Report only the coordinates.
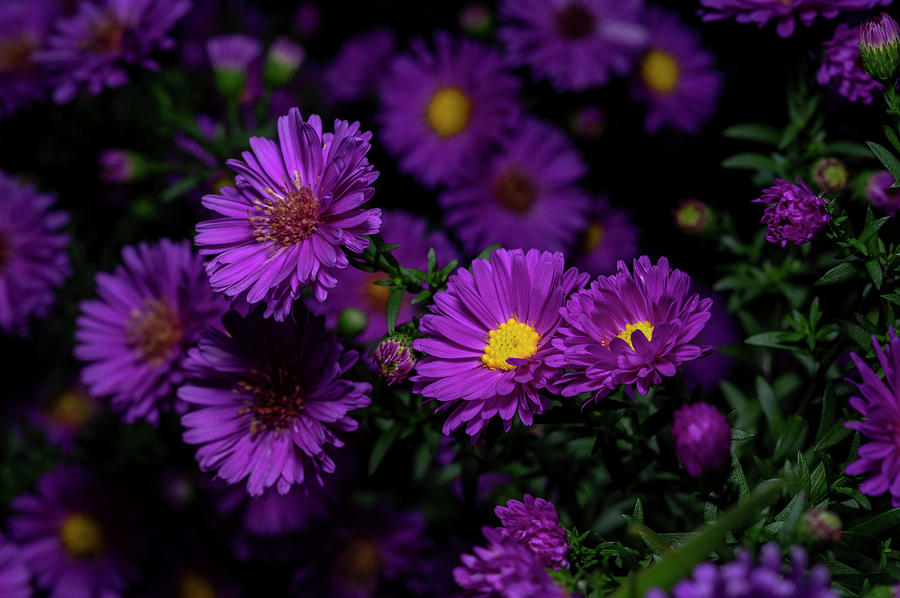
(155, 331)
(512, 338)
(71, 409)
(15, 54)
(448, 111)
(193, 585)
(359, 563)
(81, 535)
(660, 71)
(645, 326)
(594, 236)
(515, 190)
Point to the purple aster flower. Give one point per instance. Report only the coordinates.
(879, 193)
(119, 165)
(841, 67)
(14, 577)
(630, 328)
(356, 289)
(574, 43)
(783, 12)
(33, 258)
(677, 76)
(525, 196)
(442, 108)
(394, 358)
(62, 416)
(135, 336)
(296, 204)
(76, 536)
(609, 237)
(534, 523)
(487, 338)
(24, 25)
(233, 52)
(742, 578)
(359, 65)
(719, 331)
(91, 49)
(282, 61)
(272, 514)
(702, 438)
(879, 459)
(268, 399)
(504, 569)
(793, 213)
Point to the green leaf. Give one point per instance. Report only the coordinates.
(887, 158)
(878, 524)
(750, 161)
(487, 251)
(875, 273)
(737, 476)
(422, 296)
(840, 273)
(892, 297)
(769, 405)
(848, 148)
(393, 308)
(756, 132)
(856, 332)
(892, 137)
(833, 436)
(432, 260)
(768, 339)
(637, 516)
(382, 445)
(818, 485)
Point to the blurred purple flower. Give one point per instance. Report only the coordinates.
(359, 65)
(879, 193)
(783, 12)
(14, 576)
(841, 66)
(702, 438)
(610, 236)
(24, 25)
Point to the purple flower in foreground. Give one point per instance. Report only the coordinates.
(577, 44)
(442, 109)
(841, 67)
(793, 213)
(609, 237)
(24, 25)
(742, 578)
(359, 65)
(296, 204)
(75, 536)
(783, 12)
(879, 404)
(268, 399)
(526, 196)
(504, 569)
(879, 193)
(702, 438)
(14, 576)
(629, 328)
(534, 523)
(135, 336)
(91, 49)
(33, 258)
(487, 338)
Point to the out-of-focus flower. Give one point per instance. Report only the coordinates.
(576, 44)
(231, 56)
(487, 338)
(268, 399)
(677, 78)
(534, 523)
(442, 109)
(879, 404)
(394, 358)
(297, 204)
(632, 327)
(784, 12)
(91, 49)
(33, 253)
(24, 25)
(62, 416)
(120, 166)
(830, 174)
(475, 18)
(793, 213)
(589, 122)
(702, 438)
(720, 331)
(821, 528)
(879, 48)
(692, 216)
(742, 578)
(308, 18)
(272, 514)
(841, 67)
(609, 237)
(14, 576)
(282, 61)
(525, 196)
(135, 336)
(359, 65)
(879, 193)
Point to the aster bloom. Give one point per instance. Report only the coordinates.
(784, 13)
(610, 236)
(879, 47)
(62, 416)
(33, 258)
(879, 193)
(268, 399)
(441, 109)
(357, 290)
(74, 535)
(771, 577)
(24, 25)
(632, 327)
(842, 69)
(14, 576)
(91, 49)
(394, 358)
(119, 166)
(702, 438)
(272, 514)
(677, 76)
(135, 336)
(576, 44)
(487, 338)
(534, 523)
(359, 65)
(879, 404)
(504, 569)
(793, 213)
(231, 56)
(296, 204)
(526, 196)
(830, 174)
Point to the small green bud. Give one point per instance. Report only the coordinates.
(879, 48)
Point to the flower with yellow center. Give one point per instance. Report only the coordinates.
(81, 535)
(359, 562)
(71, 409)
(660, 71)
(448, 111)
(511, 339)
(594, 236)
(194, 585)
(644, 326)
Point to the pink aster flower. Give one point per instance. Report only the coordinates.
(793, 213)
(534, 523)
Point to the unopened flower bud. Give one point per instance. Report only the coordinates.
(475, 18)
(692, 216)
(830, 174)
(395, 358)
(230, 56)
(352, 321)
(589, 122)
(702, 438)
(282, 61)
(120, 166)
(821, 527)
(879, 48)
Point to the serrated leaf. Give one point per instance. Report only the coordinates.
(393, 308)
(737, 476)
(750, 161)
(769, 405)
(637, 515)
(887, 158)
(875, 273)
(856, 332)
(818, 485)
(840, 273)
(755, 132)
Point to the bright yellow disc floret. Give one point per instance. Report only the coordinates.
(645, 326)
(448, 111)
(512, 338)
